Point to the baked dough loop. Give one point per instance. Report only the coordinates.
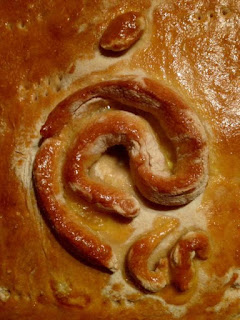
(175, 268)
(123, 31)
(194, 243)
(139, 254)
(181, 126)
(113, 128)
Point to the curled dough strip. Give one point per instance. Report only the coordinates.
(112, 128)
(79, 240)
(179, 271)
(183, 130)
(179, 122)
(192, 243)
(138, 258)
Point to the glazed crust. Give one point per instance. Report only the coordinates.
(180, 124)
(182, 128)
(54, 69)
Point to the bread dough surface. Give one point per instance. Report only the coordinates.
(48, 51)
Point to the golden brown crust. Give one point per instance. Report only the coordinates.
(123, 32)
(50, 50)
(176, 268)
(181, 126)
(139, 255)
(113, 128)
(181, 265)
(80, 240)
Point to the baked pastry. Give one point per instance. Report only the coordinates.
(120, 164)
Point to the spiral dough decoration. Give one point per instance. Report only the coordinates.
(176, 268)
(139, 254)
(181, 127)
(192, 244)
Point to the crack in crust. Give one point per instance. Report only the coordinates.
(182, 128)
